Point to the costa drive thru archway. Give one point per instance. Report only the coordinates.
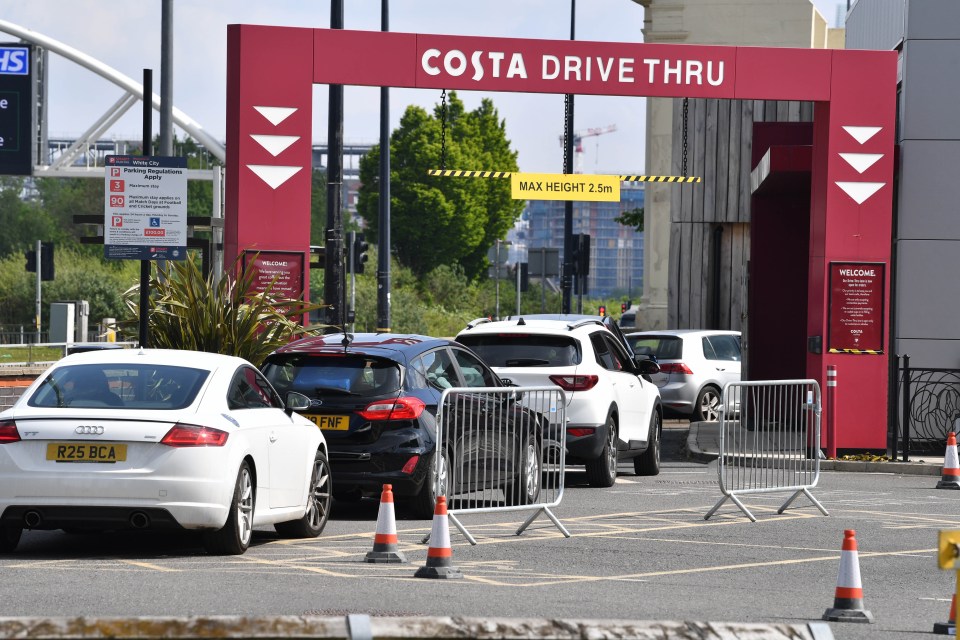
(271, 72)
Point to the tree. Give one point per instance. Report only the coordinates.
(436, 220)
(63, 198)
(632, 218)
(23, 223)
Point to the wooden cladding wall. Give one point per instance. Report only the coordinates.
(709, 220)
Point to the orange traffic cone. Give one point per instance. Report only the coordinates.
(950, 479)
(848, 598)
(385, 540)
(949, 627)
(440, 554)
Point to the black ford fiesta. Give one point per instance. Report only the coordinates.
(375, 396)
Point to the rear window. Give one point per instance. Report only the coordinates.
(121, 386)
(348, 374)
(523, 350)
(663, 347)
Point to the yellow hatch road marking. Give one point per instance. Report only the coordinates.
(677, 572)
(147, 565)
(287, 565)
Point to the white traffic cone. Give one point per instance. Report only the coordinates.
(385, 541)
(440, 554)
(950, 478)
(848, 598)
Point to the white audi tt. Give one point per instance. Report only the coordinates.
(161, 439)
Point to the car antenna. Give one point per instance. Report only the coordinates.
(520, 322)
(347, 339)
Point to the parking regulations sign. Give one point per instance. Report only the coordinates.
(145, 199)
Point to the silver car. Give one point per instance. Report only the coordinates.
(694, 366)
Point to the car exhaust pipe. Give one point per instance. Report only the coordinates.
(139, 520)
(32, 519)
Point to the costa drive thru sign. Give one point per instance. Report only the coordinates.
(145, 204)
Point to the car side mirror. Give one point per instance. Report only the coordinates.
(296, 402)
(646, 365)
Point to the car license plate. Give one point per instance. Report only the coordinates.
(330, 423)
(86, 452)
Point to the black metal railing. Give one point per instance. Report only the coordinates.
(927, 407)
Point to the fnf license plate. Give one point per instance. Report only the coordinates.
(331, 423)
(86, 452)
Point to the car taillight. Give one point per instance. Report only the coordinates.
(8, 432)
(408, 408)
(411, 465)
(579, 432)
(575, 383)
(675, 367)
(188, 435)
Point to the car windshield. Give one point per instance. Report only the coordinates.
(120, 386)
(662, 347)
(346, 374)
(523, 350)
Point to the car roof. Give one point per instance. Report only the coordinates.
(179, 357)
(385, 345)
(532, 322)
(684, 332)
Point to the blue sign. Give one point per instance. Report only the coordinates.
(18, 110)
(14, 61)
(154, 222)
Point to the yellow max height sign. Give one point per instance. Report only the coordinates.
(564, 186)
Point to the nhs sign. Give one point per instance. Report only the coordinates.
(14, 61)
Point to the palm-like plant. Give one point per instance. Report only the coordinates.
(188, 311)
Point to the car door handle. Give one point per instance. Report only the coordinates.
(273, 436)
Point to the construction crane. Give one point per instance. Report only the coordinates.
(578, 137)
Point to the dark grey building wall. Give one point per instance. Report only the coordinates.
(875, 24)
(927, 208)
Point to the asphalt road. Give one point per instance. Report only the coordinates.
(640, 550)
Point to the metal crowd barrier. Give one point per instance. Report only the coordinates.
(773, 444)
(503, 449)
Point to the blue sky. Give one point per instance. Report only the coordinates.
(126, 36)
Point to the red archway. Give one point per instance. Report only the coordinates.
(271, 72)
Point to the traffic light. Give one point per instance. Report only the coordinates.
(524, 275)
(603, 310)
(623, 307)
(581, 254)
(46, 261)
(360, 257)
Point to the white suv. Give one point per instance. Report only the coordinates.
(613, 410)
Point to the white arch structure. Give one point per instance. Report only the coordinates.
(134, 92)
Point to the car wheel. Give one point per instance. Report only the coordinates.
(425, 502)
(602, 472)
(234, 537)
(319, 496)
(525, 489)
(707, 406)
(648, 462)
(9, 537)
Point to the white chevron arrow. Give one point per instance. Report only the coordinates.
(860, 191)
(275, 115)
(859, 161)
(862, 134)
(273, 176)
(277, 144)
